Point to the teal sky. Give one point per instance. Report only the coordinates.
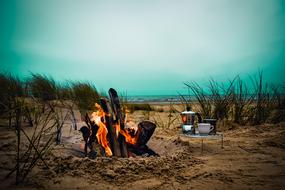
(143, 47)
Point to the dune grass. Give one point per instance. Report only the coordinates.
(135, 107)
(38, 101)
(85, 94)
(205, 104)
(235, 101)
(43, 87)
(241, 101)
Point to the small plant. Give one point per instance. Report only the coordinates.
(59, 116)
(85, 95)
(136, 107)
(202, 98)
(186, 101)
(68, 100)
(221, 98)
(171, 114)
(28, 156)
(11, 88)
(262, 100)
(242, 99)
(43, 87)
(277, 105)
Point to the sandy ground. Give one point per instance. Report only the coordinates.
(253, 157)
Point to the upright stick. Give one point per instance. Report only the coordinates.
(114, 143)
(18, 128)
(115, 103)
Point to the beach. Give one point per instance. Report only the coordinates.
(252, 157)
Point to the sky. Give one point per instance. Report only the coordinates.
(148, 47)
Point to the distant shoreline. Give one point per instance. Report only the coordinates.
(155, 99)
(165, 99)
(155, 102)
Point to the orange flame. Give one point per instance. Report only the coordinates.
(102, 130)
(129, 139)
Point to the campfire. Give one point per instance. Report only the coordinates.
(106, 129)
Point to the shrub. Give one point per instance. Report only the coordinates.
(43, 87)
(85, 94)
(221, 98)
(11, 88)
(242, 99)
(202, 98)
(262, 101)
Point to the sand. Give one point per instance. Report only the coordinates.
(253, 157)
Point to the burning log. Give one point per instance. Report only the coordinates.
(119, 119)
(112, 137)
(144, 131)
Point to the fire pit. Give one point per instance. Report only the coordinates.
(106, 129)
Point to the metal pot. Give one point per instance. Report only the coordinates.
(188, 119)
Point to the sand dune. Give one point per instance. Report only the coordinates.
(253, 157)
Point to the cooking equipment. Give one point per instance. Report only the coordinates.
(213, 122)
(188, 119)
(205, 128)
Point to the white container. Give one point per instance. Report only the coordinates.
(205, 128)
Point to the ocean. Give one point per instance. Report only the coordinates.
(155, 99)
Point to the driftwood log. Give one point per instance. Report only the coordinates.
(118, 118)
(143, 134)
(111, 136)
